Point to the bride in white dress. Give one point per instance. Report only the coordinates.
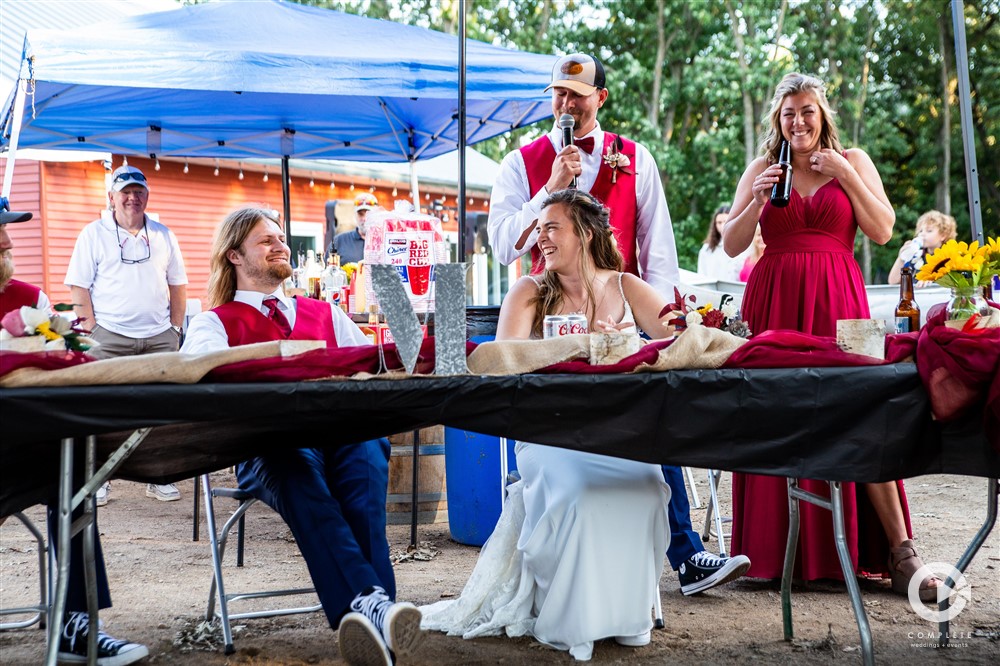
(578, 551)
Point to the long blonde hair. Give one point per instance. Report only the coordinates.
(794, 84)
(588, 215)
(230, 236)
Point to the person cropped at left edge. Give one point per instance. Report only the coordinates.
(15, 294)
(333, 500)
(128, 284)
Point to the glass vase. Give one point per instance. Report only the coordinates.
(965, 302)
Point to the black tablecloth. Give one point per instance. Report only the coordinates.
(849, 424)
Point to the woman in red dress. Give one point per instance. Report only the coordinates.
(805, 281)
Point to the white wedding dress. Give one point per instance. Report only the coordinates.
(575, 557)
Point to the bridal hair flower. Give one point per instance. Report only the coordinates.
(725, 318)
(60, 333)
(615, 159)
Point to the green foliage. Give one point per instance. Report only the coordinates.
(882, 61)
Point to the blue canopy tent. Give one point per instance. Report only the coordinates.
(266, 79)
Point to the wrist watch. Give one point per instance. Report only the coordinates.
(177, 329)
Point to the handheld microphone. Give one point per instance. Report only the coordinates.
(567, 123)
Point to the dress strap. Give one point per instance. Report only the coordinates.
(535, 280)
(620, 289)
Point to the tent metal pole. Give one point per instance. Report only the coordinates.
(461, 131)
(8, 176)
(965, 106)
(414, 186)
(286, 200)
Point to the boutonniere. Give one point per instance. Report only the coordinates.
(615, 159)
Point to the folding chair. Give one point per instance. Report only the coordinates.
(217, 540)
(713, 519)
(41, 610)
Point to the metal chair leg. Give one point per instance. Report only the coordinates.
(993, 491)
(689, 475)
(41, 610)
(657, 608)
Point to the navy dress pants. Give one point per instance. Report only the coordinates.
(333, 501)
(76, 596)
(684, 541)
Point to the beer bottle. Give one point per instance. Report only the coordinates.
(907, 310)
(781, 192)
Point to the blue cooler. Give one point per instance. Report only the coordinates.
(474, 483)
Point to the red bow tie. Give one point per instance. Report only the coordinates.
(585, 144)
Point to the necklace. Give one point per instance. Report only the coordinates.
(578, 309)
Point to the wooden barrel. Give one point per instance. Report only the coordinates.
(432, 500)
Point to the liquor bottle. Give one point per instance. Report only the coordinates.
(334, 278)
(907, 310)
(781, 192)
(313, 274)
(371, 330)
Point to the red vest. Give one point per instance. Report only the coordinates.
(246, 324)
(619, 196)
(17, 294)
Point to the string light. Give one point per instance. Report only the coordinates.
(372, 189)
(216, 166)
(124, 161)
(312, 183)
(241, 171)
(156, 167)
(471, 202)
(352, 187)
(186, 165)
(265, 175)
(427, 195)
(332, 184)
(394, 192)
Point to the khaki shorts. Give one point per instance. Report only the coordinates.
(112, 344)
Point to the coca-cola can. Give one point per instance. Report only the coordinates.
(554, 325)
(577, 324)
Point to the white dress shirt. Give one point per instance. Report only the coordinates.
(207, 333)
(513, 209)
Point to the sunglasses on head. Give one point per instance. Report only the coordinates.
(129, 175)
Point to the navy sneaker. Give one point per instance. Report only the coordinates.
(110, 651)
(703, 571)
(377, 628)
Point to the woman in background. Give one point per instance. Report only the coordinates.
(756, 251)
(713, 261)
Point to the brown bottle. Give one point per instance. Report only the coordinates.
(907, 310)
(781, 192)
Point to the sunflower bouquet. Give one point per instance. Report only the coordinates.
(964, 268)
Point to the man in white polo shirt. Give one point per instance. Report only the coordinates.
(128, 284)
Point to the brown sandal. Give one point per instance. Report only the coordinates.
(903, 563)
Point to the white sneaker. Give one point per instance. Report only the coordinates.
(634, 641)
(165, 493)
(102, 493)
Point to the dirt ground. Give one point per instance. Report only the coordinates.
(160, 580)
